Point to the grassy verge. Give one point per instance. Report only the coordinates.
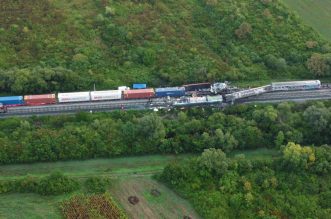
(315, 13)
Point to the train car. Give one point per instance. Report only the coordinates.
(246, 93)
(138, 94)
(197, 87)
(12, 100)
(170, 92)
(106, 95)
(192, 101)
(41, 99)
(296, 85)
(74, 97)
(139, 86)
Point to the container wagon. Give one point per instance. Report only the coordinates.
(296, 85)
(41, 99)
(138, 94)
(74, 97)
(170, 92)
(12, 100)
(106, 95)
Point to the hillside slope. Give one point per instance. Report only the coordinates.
(314, 13)
(50, 45)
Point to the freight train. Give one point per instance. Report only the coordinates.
(184, 95)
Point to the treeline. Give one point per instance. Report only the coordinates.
(296, 185)
(139, 132)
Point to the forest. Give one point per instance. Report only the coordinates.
(296, 184)
(50, 46)
(103, 135)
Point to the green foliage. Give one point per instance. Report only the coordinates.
(54, 184)
(86, 135)
(265, 190)
(96, 184)
(159, 42)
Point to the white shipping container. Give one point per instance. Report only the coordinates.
(106, 95)
(73, 97)
(121, 88)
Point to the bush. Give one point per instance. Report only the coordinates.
(56, 183)
(96, 184)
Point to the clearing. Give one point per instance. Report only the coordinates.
(166, 205)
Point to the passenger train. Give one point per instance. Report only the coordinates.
(185, 95)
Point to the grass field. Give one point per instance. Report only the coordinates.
(167, 205)
(130, 174)
(316, 13)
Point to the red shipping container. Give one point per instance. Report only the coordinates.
(41, 99)
(138, 93)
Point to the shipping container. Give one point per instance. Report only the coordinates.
(121, 88)
(138, 94)
(197, 87)
(12, 100)
(170, 92)
(139, 86)
(41, 99)
(106, 95)
(74, 97)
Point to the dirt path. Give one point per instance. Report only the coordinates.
(167, 205)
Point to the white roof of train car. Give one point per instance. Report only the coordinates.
(291, 83)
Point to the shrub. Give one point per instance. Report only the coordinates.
(96, 184)
(56, 183)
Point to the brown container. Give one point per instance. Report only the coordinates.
(138, 94)
(41, 99)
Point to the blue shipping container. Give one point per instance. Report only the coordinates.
(139, 86)
(170, 92)
(12, 100)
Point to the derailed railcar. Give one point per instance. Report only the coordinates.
(106, 95)
(170, 92)
(296, 85)
(74, 97)
(197, 87)
(246, 93)
(194, 101)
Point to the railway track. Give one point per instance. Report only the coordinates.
(104, 106)
(323, 94)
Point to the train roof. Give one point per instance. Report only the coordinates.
(205, 83)
(289, 83)
(11, 98)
